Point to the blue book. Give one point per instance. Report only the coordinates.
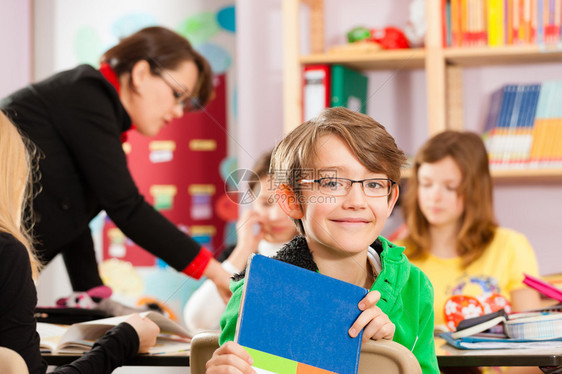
(299, 315)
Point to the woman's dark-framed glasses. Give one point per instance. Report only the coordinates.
(182, 97)
(372, 187)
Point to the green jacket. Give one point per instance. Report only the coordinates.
(406, 297)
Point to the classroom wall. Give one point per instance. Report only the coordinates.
(260, 77)
(15, 38)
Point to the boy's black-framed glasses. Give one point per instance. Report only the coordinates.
(372, 187)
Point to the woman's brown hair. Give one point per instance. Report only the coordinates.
(478, 223)
(162, 49)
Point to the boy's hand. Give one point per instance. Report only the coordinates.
(230, 358)
(375, 324)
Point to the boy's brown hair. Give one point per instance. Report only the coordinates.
(478, 223)
(370, 143)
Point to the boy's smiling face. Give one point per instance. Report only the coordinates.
(344, 225)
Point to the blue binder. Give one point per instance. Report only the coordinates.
(300, 315)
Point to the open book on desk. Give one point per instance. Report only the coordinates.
(80, 337)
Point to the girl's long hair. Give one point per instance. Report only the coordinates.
(16, 181)
(478, 223)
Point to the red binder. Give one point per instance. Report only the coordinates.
(316, 90)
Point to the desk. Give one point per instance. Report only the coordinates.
(180, 360)
(448, 356)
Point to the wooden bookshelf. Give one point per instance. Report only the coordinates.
(443, 69)
(533, 175)
(402, 59)
(529, 174)
(505, 55)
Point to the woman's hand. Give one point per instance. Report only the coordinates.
(220, 277)
(374, 323)
(147, 331)
(230, 358)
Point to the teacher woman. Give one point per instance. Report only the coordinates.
(77, 119)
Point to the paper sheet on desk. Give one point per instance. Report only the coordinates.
(472, 342)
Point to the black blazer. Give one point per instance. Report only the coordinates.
(76, 120)
(18, 330)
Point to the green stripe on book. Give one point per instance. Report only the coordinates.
(272, 363)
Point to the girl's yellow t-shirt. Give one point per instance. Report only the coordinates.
(486, 283)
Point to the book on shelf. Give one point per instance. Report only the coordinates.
(79, 338)
(327, 85)
(468, 23)
(348, 88)
(495, 22)
(546, 149)
(306, 320)
(316, 90)
(523, 126)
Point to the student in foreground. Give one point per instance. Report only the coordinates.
(453, 235)
(19, 268)
(205, 307)
(338, 176)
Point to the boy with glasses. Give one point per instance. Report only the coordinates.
(337, 177)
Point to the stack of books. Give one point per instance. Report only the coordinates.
(500, 22)
(540, 328)
(523, 124)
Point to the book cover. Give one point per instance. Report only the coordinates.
(349, 88)
(299, 315)
(495, 23)
(472, 326)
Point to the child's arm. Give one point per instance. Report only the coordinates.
(373, 321)
(230, 358)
